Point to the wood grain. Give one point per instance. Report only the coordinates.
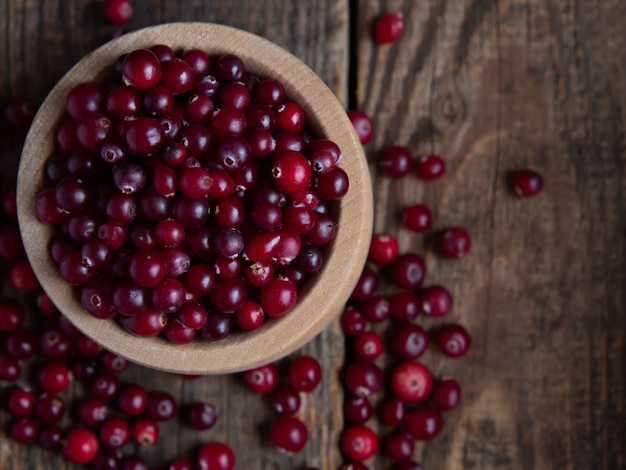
(492, 85)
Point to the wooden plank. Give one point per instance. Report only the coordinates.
(493, 87)
(42, 40)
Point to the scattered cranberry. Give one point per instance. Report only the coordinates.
(383, 249)
(132, 399)
(305, 373)
(362, 125)
(200, 415)
(389, 28)
(424, 423)
(366, 286)
(54, 377)
(408, 270)
(20, 112)
(215, 456)
(396, 161)
(286, 400)
(80, 445)
(436, 301)
(453, 242)
(20, 401)
(399, 446)
(114, 432)
(118, 12)
(289, 434)
(392, 412)
(411, 382)
(357, 410)
(446, 394)
(527, 183)
(453, 340)
(368, 345)
(352, 322)
(24, 430)
(417, 218)
(145, 431)
(430, 167)
(359, 443)
(261, 379)
(363, 378)
(161, 406)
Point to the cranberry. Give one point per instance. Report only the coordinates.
(178, 75)
(141, 69)
(332, 185)
(105, 386)
(359, 442)
(229, 68)
(113, 362)
(362, 125)
(50, 408)
(19, 112)
(376, 309)
(54, 377)
(357, 410)
(161, 406)
(50, 437)
(10, 369)
(114, 432)
(215, 455)
(85, 99)
(290, 171)
(92, 412)
(363, 378)
(24, 430)
(21, 344)
(366, 285)
(145, 431)
(399, 446)
(261, 379)
(149, 322)
(411, 382)
(132, 399)
(80, 445)
(146, 268)
(123, 101)
(409, 341)
(22, 277)
(286, 400)
(269, 92)
(352, 322)
(453, 340)
(436, 301)
(229, 295)
(527, 183)
(453, 242)
(217, 326)
(392, 412)
(407, 271)
(118, 12)
(417, 218)
(250, 316)
(405, 306)
(198, 60)
(445, 394)
(389, 28)
(20, 401)
(289, 434)
(383, 249)
(368, 345)
(430, 167)
(305, 373)
(424, 422)
(200, 415)
(396, 161)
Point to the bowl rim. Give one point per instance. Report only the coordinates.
(324, 297)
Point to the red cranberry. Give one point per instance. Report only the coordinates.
(430, 167)
(396, 161)
(21, 344)
(10, 369)
(305, 373)
(453, 340)
(366, 286)
(363, 378)
(114, 432)
(392, 412)
(289, 434)
(527, 183)
(368, 345)
(118, 12)
(399, 446)
(424, 423)
(357, 410)
(141, 69)
(50, 408)
(145, 431)
(161, 406)
(20, 401)
(261, 379)
(132, 399)
(286, 400)
(290, 171)
(92, 412)
(453, 242)
(250, 316)
(19, 112)
(436, 301)
(200, 415)
(409, 341)
(80, 445)
(389, 28)
(445, 394)
(405, 306)
(353, 322)
(105, 385)
(54, 377)
(359, 443)
(85, 99)
(22, 278)
(24, 430)
(278, 297)
(417, 218)
(408, 270)
(362, 125)
(215, 455)
(383, 249)
(411, 382)
(50, 437)
(376, 309)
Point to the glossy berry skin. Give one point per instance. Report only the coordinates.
(290, 171)
(453, 340)
(430, 167)
(424, 422)
(359, 443)
(396, 161)
(278, 297)
(411, 382)
(305, 373)
(527, 183)
(200, 415)
(407, 271)
(132, 399)
(445, 394)
(389, 28)
(353, 322)
(114, 432)
(368, 345)
(399, 446)
(145, 431)
(392, 411)
(20, 401)
(215, 456)
(436, 301)
(24, 430)
(289, 434)
(366, 286)
(285, 400)
(409, 341)
(417, 218)
(362, 125)
(357, 410)
(261, 379)
(11, 315)
(81, 445)
(54, 377)
(405, 306)
(118, 12)
(384, 249)
(453, 243)
(161, 406)
(363, 378)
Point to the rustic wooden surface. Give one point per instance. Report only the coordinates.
(492, 86)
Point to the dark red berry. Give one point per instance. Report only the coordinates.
(445, 394)
(527, 183)
(363, 378)
(215, 456)
(362, 125)
(261, 379)
(408, 270)
(389, 28)
(141, 69)
(424, 422)
(357, 410)
(359, 443)
(399, 446)
(411, 381)
(417, 218)
(396, 161)
(145, 431)
(305, 373)
(286, 400)
(289, 434)
(118, 12)
(200, 415)
(453, 340)
(453, 242)
(80, 445)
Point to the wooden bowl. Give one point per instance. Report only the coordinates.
(320, 300)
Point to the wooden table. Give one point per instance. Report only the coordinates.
(493, 86)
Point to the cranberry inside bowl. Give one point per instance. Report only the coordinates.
(210, 222)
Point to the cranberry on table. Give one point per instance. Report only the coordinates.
(417, 218)
(411, 382)
(215, 456)
(399, 446)
(363, 378)
(304, 373)
(430, 167)
(285, 400)
(362, 124)
(358, 410)
(161, 406)
(396, 161)
(132, 399)
(54, 377)
(407, 270)
(20, 401)
(368, 345)
(358, 442)
(114, 432)
(19, 112)
(404, 306)
(453, 243)
(453, 340)
(527, 183)
(24, 430)
(261, 379)
(424, 422)
(445, 394)
(389, 28)
(409, 341)
(118, 12)
(392, 411)
(145, 431)
(436, 301)
(80, 445)
(352, 322)
(200, 415)
(384, 249)
(50, 408)
(288, 434)
(366, 286)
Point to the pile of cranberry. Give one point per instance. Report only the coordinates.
(188, 195)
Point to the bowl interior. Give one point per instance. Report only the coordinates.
(320, 300)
